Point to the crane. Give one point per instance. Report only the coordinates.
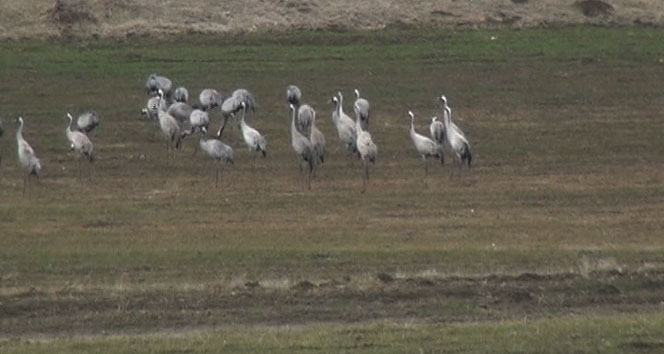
(26, 156)
(426, 147)
(80, 143)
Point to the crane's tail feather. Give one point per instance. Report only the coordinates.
(466, 155)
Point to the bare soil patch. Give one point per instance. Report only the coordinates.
(450, 299)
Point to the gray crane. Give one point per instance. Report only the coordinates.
(427, 148)
(293, 95)
(156, 83)
(199, 120)
(365, 146)
(79, 143)
(26, 156)
(437, 130)
(305, 116)
(216, 150)
(302, 147)
(181, 94)
(169, 127)
(151, 109)
(304, 112)
(317, 140)
(345, 127)
(254, 140)
(87, 121)
(180, 111)
(456, 140)
(364, 107)
(233, 104)
(447, 109)
(210, 98)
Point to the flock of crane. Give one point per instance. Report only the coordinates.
(177, 119)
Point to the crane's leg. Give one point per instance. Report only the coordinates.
(365, 177)
(78, 166)
(451, 172)
(216, 184)
(309, 180)
(460, 168)
(426, 171)
(167, 152)
(25, 181)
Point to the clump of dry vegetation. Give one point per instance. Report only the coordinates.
(121, 19)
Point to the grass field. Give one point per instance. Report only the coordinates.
(556, 229)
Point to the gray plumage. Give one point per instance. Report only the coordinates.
(199, 120)
(210, 98)
(151, 109)
(216, 150)
(446, 110)
(87, 121)
(427, 148)
(305, 116)
(254, 140)
(363, 107)
(181, 94)
(345, 127)
(302, 147)
(180, 111)
(26, 156)
(232, 105)
(365, 146)
(437, 130)
(293, 95)
(156, 83)
(169, 127)
(456, 140)
(240, 99)
(78, 141)
(317, 140)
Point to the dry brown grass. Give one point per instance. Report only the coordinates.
(127, 18)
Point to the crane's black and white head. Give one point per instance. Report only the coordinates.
(434, 119)
(443, 99)
(357, 93)
(411, 115)
(335, 100)
(291, 107)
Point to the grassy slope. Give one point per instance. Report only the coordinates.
(614, 334)
(565, 126)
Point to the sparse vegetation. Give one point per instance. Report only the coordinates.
(559, 220)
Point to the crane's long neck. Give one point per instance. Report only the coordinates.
(335, 114)
(243, 124)
(412, 124)
(340, 107)
(293, 128)
(19, 132)
(358, 126)
(71, 121)
(447, 121)
(447, 112)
